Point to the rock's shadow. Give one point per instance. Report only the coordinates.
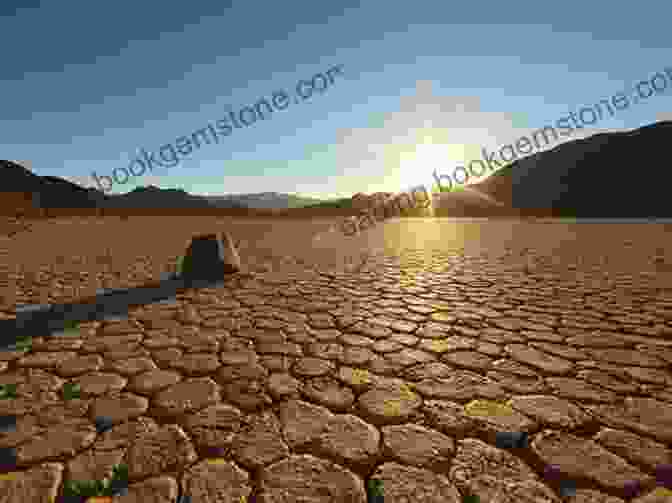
(210, 258)
(44, 320)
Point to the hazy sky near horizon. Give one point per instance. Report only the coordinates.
(85, 85)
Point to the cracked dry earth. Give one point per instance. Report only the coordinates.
(301, 385)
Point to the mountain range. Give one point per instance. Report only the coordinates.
(592, 177)
(607, 175)
(25, 193)
(264, 200)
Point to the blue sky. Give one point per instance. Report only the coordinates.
(85, 85)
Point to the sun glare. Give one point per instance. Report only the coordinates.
(411, 164)
(417, 167)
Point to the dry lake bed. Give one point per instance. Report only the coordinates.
(411, 354)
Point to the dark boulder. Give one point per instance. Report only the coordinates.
(210, 258)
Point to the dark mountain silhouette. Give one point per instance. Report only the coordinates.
(341, 203)
(27, 194)
(265, 200)
(607, 175)
(619, 174)
(24, 193)
(153, 197)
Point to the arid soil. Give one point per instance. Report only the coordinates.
(395, 355)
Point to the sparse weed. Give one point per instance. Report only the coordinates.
(93, 488)
(7, 391)
(23, 343)
(180, 265)
(70, 327)
(71, 391)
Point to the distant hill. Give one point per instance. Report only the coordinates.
(264, 200)
(29, 195)
(607, 175)
(24, 193)
(343, 203)
(153, 197)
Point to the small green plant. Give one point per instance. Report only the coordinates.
(23, 343)
(71, 488)
(179, 266)
(86, 488)
(70, 324)
(120, 472)
(71, 391)
(70, 327)
(93, 488)
(375, 487)
(7, 391)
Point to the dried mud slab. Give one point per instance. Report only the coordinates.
(307, 478)
(310, 377)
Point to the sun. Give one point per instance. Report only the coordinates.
(417, 166)
(409, 165)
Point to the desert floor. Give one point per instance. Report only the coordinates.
(395, 355)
